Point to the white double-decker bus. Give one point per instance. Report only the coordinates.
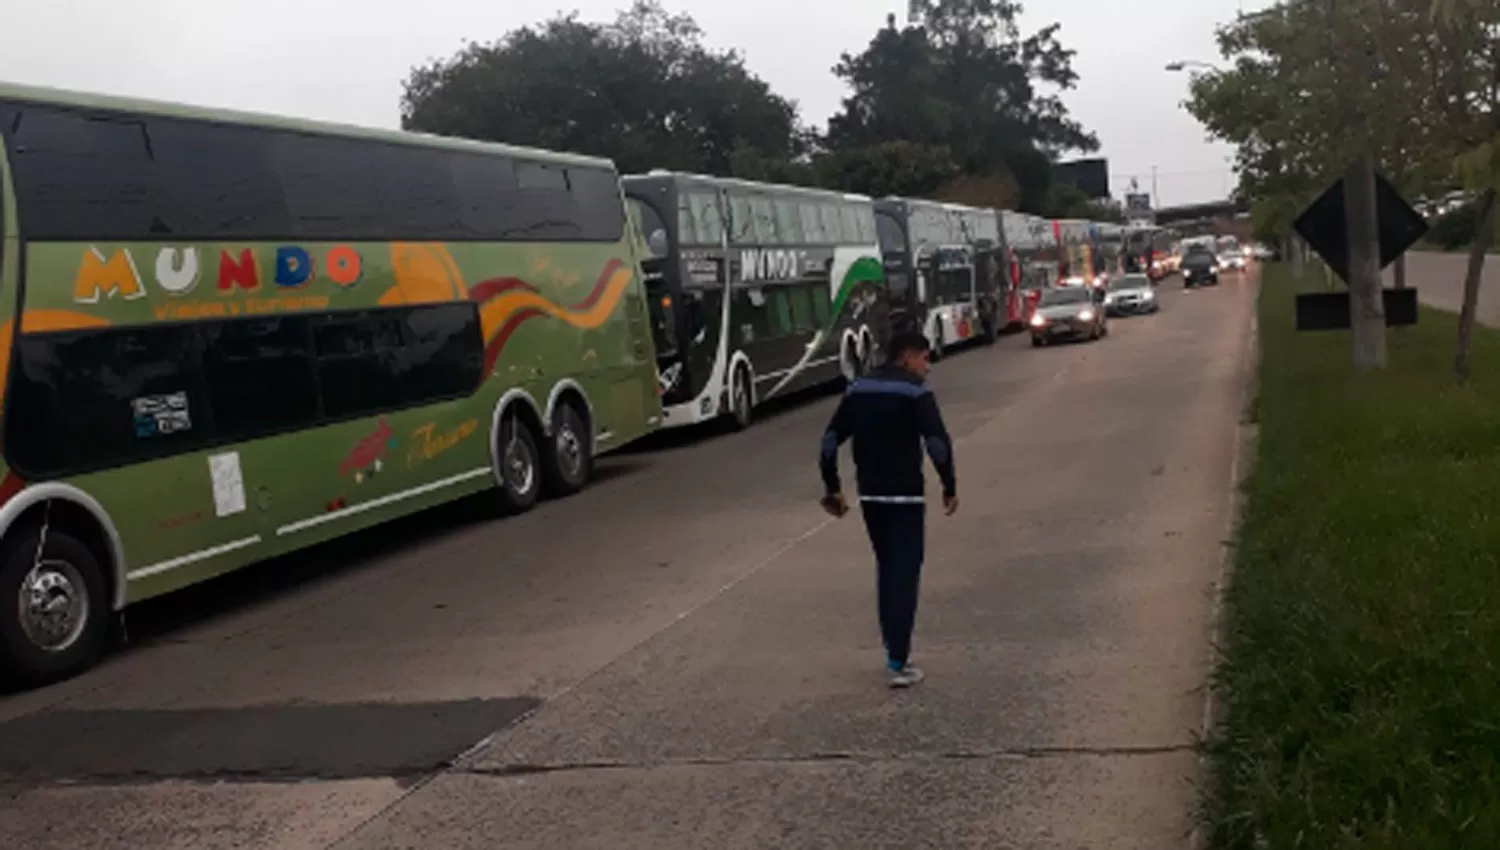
(944, 265)
(757, 290)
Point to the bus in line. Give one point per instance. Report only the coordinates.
(757, 290)
(1033, 250)
(943, 268)
(228, 336)
(1076, 244)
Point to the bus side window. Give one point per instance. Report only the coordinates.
(833, 229)
(741, 221)
(97, 399)
(812, 224)
(802, 309)
(376, 360)
(687, 222)
(709, 219)
(789, 222)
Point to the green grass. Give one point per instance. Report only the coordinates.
(1360, 684)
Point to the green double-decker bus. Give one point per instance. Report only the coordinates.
(228, 336)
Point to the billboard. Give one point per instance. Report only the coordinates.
(1089, 176)
(1138, 204)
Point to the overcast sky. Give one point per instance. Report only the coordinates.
(344, 60)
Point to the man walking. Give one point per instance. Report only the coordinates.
(891, 414)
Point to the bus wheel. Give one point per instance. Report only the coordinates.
(570, 461)
(519, 467)
(851, 356)
(938, 351)
(54, 608)
(740, 406)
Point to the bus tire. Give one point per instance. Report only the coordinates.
(569, 461)
(866, 353)
(852, 357)
(519, 465)
(61, 625)
(741, 407)
(938, 350)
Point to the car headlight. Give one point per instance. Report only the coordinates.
(1147, 295)
(1038, 321)
(1085, 315)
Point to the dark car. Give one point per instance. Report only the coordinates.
(1069, 312)
(1200, 267)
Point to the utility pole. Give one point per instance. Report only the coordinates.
(1366, 302)
(1155, 196)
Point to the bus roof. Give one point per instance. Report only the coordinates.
(84, 100)
(689, 177)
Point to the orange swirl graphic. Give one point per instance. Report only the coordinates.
(508, 303)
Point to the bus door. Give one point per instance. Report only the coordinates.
(955, 293)
(661, 270)
(1015, 297)
(993, 291)
(902, 283)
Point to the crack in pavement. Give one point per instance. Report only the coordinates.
(1015, 753)
(13, 787)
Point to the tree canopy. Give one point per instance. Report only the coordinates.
(959, 106)
(643, 90)
(1307, 82)
(964, 81)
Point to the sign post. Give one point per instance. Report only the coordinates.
(1324, 226)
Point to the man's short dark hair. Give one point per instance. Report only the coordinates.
(904, 342)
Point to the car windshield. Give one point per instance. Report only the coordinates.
(1130, 281)
(1197, 257)
(1060, 296)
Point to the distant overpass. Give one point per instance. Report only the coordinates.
(1204, 212)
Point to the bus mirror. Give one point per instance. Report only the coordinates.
(658, 243)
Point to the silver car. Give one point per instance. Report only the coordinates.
(1131, 294)
(1069, 312)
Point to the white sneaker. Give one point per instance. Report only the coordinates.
(906, 677)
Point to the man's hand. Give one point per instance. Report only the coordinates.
(835, 505)
(950, 505)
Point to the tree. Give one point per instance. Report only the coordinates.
(904, 168)
(1316, 82)
(963, 79)
(644, 91)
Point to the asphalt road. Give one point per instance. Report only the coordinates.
(1439, 279)
(686, 656)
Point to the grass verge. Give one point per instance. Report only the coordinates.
(1360, 681)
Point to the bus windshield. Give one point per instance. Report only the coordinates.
(653, 228)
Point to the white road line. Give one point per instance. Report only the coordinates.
(312, 522)
(192, 558)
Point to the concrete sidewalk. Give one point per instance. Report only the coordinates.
(1064, 627)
